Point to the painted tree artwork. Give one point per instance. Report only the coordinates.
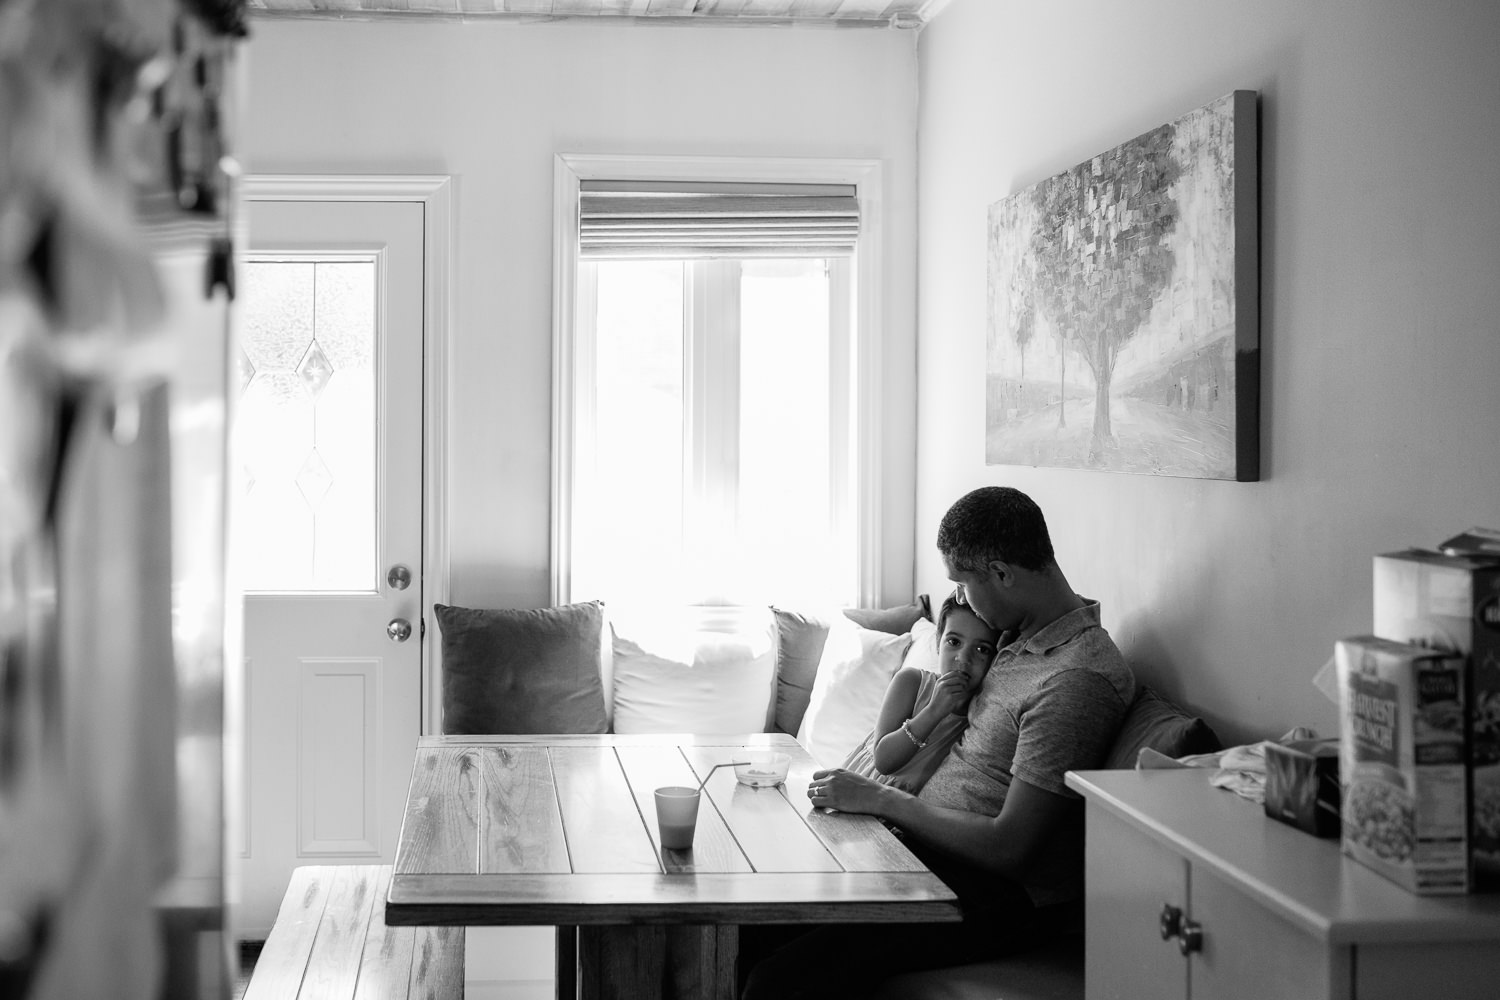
(1124, 307)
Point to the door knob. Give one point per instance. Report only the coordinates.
(399, 577)
(399, 629)
(1171, 921)
(1190, 939)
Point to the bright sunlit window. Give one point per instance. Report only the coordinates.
(716, 451)
(710, 396)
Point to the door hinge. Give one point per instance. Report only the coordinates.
(421, 628)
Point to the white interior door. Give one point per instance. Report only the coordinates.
(329, 440)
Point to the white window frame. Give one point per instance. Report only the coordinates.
(569, 306)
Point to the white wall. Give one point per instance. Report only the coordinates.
(1380, 291)
(491, 103)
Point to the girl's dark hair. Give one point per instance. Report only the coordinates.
(995, 523)
(949, 605)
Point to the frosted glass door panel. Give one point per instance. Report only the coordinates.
(307, 427)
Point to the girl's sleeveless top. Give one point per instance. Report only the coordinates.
(914, 774)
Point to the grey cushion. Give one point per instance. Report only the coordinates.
(513, 671)
(896, 621)
(1153, 721)
(799, 648)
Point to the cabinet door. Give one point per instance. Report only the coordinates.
(1250, 953)
(1130, 877)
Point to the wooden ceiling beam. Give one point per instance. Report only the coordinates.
(871, 13)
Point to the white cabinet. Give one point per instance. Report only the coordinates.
(1194, 893)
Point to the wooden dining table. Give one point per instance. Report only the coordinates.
(561, 831)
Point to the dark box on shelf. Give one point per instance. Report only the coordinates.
(1302, 785)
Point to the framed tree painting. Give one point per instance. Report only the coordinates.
(1124, 325)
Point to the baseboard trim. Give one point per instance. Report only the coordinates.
(509, 989)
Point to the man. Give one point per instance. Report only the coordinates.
(995, 821)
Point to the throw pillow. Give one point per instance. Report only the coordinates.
(896, 621)
(856, 666)
(514, 671)
(923, 654)
(800, 638)
(682, 677)
(1153, 721)
(799, 647)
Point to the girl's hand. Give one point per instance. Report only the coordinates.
(950, 692)
(846, 791)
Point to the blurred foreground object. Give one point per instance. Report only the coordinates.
(115, 198)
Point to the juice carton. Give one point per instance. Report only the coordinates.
(1452, 602)
(1403, 754)
(1302, 785)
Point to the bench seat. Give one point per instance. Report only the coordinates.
(1052, 973)
(330, 942)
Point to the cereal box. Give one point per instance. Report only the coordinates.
(1403, 756)
(1453, 603)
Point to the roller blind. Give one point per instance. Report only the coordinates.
(644, 219)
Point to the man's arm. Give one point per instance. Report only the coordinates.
(1007, 844)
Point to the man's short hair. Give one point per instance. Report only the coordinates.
(995, 522)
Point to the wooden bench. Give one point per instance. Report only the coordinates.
(330, 942)
(1053, 973)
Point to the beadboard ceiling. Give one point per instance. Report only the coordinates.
(842, 13)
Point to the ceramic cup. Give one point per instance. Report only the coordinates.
(677, 816)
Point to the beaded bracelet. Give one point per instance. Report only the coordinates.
(919, 744)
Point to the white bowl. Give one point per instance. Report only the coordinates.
(763, 769)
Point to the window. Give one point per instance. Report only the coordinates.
(707, 422)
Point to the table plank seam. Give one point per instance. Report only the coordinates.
(729, 828)
(827, 845)
(562, 815)
(635, 798)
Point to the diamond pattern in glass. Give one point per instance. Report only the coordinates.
(314, 480)
(245, 368)
(315, 369)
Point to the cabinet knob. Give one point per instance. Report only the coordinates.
(1190, 938)
(1171, 921)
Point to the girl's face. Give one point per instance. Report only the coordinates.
(967, 644)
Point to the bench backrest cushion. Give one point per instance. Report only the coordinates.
(693, 670)
(522, 671)
(800, 636)
(1153, 721)
(853, 673)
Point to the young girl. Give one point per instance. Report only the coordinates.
(922, 714)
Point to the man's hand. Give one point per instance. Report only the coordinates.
(848, 792)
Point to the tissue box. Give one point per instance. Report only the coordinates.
(1302, 785)
(1453, 603)
(1404, 763)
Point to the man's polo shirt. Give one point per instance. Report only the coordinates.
(1049, 704)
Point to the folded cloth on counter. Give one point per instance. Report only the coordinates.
(1242, 769)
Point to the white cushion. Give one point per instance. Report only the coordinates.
(857, 665)
(923, 654)
(691, 673)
